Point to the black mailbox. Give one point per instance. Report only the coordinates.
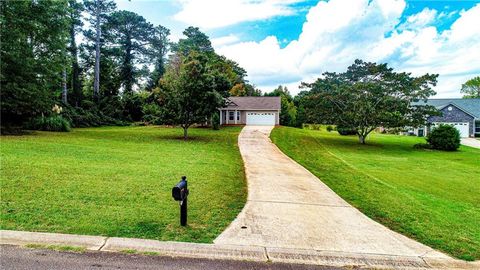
(180, 191)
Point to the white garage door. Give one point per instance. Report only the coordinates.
(463, 128)
(261, 118)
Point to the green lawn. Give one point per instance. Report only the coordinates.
(116, 181)
(431, 196)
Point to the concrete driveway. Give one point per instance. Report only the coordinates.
(470, 142)
(290, 208)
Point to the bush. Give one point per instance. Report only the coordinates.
(342, 130)
(50, 123)
(111, 106)
(133, 105)
(216, 121)
(444, 137)
(151, 114)
(329, 128)
(312, 126)
(91, 117)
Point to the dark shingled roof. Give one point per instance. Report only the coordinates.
(253, 103)
(469, 105)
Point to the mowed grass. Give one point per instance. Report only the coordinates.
(430, 196)
(116, 181)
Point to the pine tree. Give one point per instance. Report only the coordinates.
(34, 38)
(98, 11)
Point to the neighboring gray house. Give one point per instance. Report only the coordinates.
(251, 111)
(463, 114)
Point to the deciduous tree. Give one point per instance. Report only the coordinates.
(369, 95)
(288, 113)
(471, 88)
(190, 92)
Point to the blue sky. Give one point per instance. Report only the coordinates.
(290, 41)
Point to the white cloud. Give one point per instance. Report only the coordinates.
(225, 40)
(210, 14)
(422, 19)
(467, 26)
(337, 32)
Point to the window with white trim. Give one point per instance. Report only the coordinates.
(231, 115)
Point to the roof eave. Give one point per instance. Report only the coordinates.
(249, 109)
(458, 107)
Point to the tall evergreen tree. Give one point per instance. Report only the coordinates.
(34, 37)
(159, 45)
(98, 11)
(131, 33)
(195, 40)
(75, 16)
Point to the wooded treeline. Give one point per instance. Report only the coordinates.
(84, 63)
(103, 66)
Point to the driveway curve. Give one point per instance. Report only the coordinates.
(289, 207)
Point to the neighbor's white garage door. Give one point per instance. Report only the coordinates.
(261, 118)
(463, 128)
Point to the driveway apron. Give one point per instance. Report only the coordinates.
(289, 207)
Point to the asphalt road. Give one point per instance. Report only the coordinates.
(14, 257)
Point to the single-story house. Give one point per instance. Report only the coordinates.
(251, 111)
(463, 114)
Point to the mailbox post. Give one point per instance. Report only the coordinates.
(180, 193)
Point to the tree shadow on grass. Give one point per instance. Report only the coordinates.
(17, 132)
(371, 144)
(194, 138)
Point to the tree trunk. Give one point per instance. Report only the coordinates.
(185, 133)
(96, 83)
(128, 66)
(75, 83)
(361, 139)
(64, 85)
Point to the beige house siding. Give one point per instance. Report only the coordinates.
(243, 116)
(244, 105)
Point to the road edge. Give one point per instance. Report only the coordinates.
(232, 252)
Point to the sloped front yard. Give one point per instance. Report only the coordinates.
(430, 196)
(116, 181)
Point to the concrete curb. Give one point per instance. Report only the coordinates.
(234, 252)
(181, 249)
(24, 238)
